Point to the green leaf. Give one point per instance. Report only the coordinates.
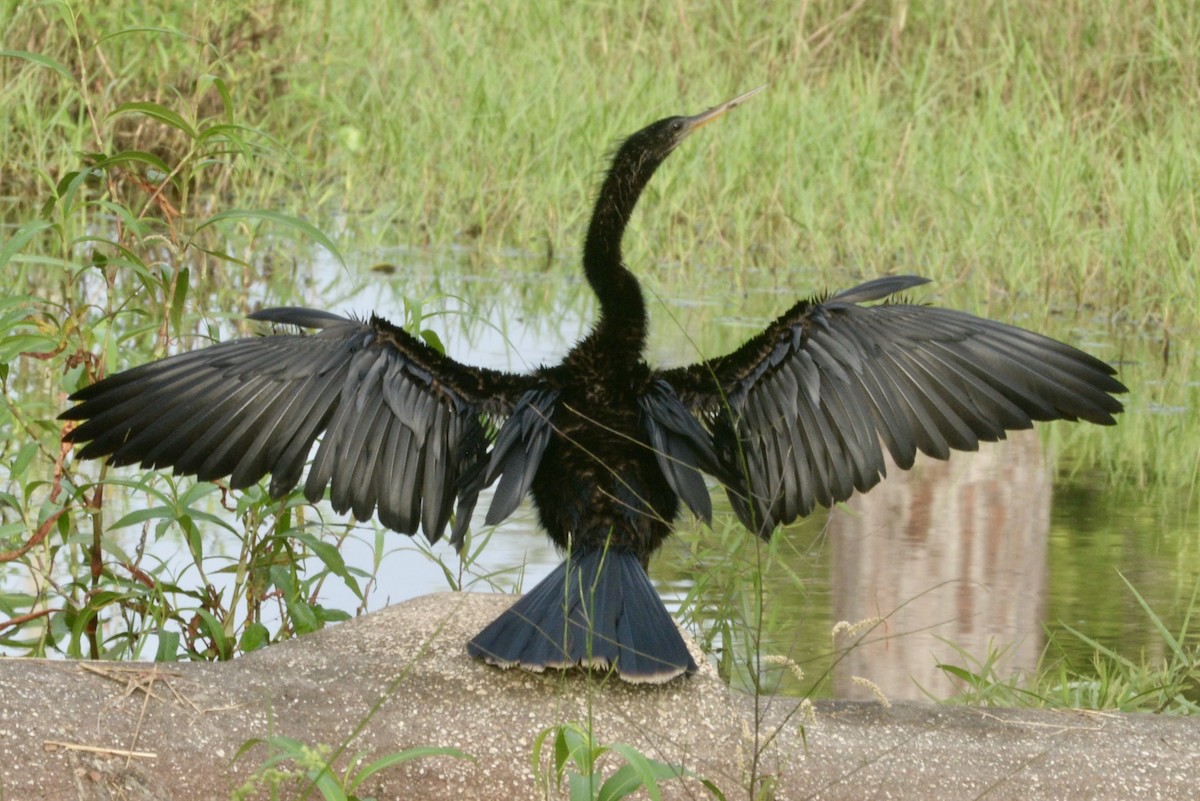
(147, 29)
(281, 577)
(1163, 631)
(194, 540)
(562, 753)
(206, 517)
(181, 290)
(649, 772)
(216, 633)
(23, 235)
(226, 98)
(21, 463)
(14, 346)
(135, 157)
(231, 134)
(41, 61)
(168, 646)
(67, 15)
(713, 789)
(330, 555)
(289, 745)
(959, 673)
(536, 756)
(67, 188)
(412, 313)
(304, 621)
(286, 220)
(1097, 646)
(581, 786)
(576, 745)
(142, 515)
(255, 636)
(201, 489)
(327, 615)
(433, 340)
(324, 779)
(78, 620)
(246, 746)
(621, 784)
(156, 111)
(401, 757)
(451, 577)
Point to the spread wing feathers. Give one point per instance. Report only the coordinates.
(401, 427)
(682, 446)
(519, 448)
(798, 412)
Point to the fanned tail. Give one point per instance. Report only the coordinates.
(597, 609)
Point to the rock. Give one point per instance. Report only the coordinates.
(400, 679)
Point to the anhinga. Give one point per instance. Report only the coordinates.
(607, 444)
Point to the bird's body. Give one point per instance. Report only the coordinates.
(609, 447)
(599, 481)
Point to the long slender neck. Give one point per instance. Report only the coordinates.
(622, 323)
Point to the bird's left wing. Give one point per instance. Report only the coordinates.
(403, 428)
(798, 412)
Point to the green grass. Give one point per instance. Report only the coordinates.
(1167, 680)
(1015, 153)
(1005, 154)
(164, 170)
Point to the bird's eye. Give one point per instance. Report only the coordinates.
(677, 126)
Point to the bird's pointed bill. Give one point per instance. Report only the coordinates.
(705, 117)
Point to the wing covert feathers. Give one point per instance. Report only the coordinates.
(402, 429)
(800, 413)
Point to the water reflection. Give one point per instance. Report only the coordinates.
(952, 555)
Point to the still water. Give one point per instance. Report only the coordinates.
(988, 551)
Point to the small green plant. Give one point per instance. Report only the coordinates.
(124, 254)
(1170, 684)
(301, 766)
(578, 758)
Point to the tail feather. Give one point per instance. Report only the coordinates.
(597, 609)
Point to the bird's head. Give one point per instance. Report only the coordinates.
(656, 141)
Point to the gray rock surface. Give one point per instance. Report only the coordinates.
(400, 679)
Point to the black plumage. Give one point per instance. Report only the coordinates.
(607, 445)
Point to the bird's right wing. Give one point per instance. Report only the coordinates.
(798, 412)
(403, 428)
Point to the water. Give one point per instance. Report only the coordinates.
(988, 551)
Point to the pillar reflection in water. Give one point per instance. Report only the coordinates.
(949, 552)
